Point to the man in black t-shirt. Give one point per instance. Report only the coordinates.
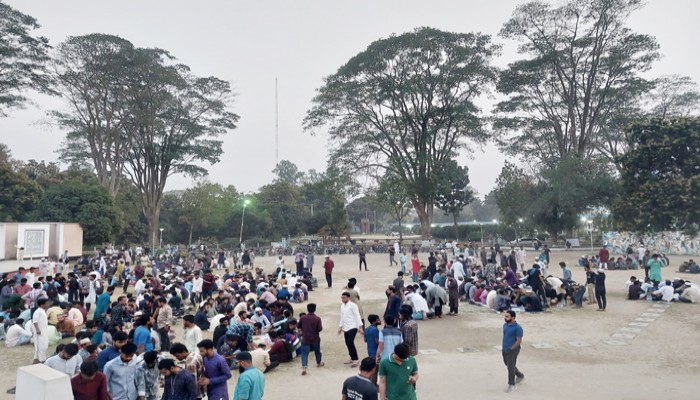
(360, 387)
(590, 284)
(363, 259)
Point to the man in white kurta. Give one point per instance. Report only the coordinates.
(40, 324)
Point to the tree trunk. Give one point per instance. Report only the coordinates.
(454, 216)
(153, 217)
(400, 233)
(425, 228)
(190, 243)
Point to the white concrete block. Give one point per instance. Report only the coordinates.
(39, 382)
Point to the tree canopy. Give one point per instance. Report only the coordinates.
(23, 59)
(454, 193)
(661, 177)
(140, 114)
(583, 67)
(406, 105)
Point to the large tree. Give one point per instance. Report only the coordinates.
(661, 177)
(23, 59)
(174, 122)
(406, 105)
(583, 67)
(92, 74)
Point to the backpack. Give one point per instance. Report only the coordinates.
(290, 349)
(293, 341)
(51, 292)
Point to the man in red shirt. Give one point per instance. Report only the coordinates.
(278, 351)
(311, 326)
(328, 267)
(89, 384)
(603, 257)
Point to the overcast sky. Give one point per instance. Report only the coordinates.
(250, 43)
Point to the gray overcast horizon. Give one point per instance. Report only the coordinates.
(250, 43)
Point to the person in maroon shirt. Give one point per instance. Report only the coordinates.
(311, 326)
(604, 257)
(278, 351)
(89, 384)
(328, 268)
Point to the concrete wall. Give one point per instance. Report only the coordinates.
(58, 237)
(671, 243)
(72, 240)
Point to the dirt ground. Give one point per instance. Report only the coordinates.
(577, 358)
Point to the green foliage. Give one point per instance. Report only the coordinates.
(19, 195)
(673, 96)
(338, 224)
(135, 225)
(555, 199)
(283, 203)
(393, 196)
(514, 190)
(23, 59)
(583, 68)
(286, 171)
(661, 177)
(89, 205)
(406, 105)
(454, 193)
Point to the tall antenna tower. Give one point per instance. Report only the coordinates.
(277, 128)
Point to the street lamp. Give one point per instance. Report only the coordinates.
(240, 236)
(515, 228)
(161, 237)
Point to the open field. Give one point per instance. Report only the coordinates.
(578, 356)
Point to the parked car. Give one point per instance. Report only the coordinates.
(526, 242)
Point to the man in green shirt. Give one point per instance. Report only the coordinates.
(251, 382)
(655, 265)
(398, 375)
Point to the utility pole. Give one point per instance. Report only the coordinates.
(277, 127)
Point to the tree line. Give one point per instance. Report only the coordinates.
(578, 118)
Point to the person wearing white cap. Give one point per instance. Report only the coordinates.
(258, 316)
(690, 294)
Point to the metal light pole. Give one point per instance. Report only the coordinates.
(517, 239)
(590, 230)
(240, 236)
(161, 237)
(482, 233)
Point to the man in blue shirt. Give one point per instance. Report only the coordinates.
(142, 335)
(110, 353)
(393, 304)
(372, 335)
(121, 374)
(512, 338)
(251, 382)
